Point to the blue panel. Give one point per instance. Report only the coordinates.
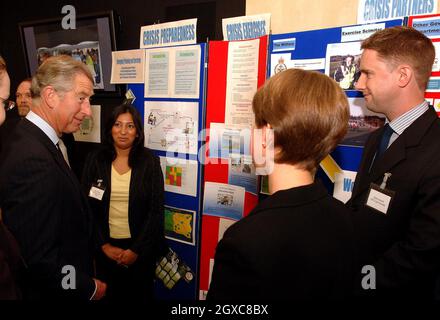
(313, 45)
(187, 253)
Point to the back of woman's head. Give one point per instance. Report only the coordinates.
(308, 112)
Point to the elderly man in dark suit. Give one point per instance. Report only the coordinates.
(396, 196)
(41, 198)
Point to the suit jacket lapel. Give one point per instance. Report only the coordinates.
(44, 139)
(362, 180)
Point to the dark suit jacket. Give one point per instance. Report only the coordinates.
(404, 244)
(6, 129)
(45, 209)
(296, 244)
(10, 265)
(146, 197)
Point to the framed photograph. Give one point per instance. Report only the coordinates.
(91, 42)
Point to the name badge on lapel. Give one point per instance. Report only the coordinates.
(379, 197)
(97, 190)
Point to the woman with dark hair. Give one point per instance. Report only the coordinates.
(124, 182)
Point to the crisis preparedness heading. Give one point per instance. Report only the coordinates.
(385, 9)
(246, 30)
(169, 35)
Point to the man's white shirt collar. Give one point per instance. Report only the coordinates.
(44, 126)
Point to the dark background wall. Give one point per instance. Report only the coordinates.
(133, 14)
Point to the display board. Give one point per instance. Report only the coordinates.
(171, 102)
(429, 25)
(236, 70)
(332, 51)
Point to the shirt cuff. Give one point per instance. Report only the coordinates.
(94, 292)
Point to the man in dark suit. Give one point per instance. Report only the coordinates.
(9, 251)
(396, 196)
(22, 106)
(41, 198)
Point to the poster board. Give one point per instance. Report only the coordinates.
(182, 175)
(217, 170)
(324, 50)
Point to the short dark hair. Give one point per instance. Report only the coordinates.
(138, 143)
(308, 112)
(403, 44)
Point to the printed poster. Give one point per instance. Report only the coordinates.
(171, 126)
(128, 66)
(173, 72)
(180, 175)
(180, 225)
(241, 81)
(223, 200)
(229, 139)
(344, 182)
(242, 172)
(361, 124)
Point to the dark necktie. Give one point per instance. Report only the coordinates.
(383, 143)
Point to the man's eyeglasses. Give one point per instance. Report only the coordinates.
(7, 104)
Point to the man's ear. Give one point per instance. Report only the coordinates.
(404, 73)
(49, 96)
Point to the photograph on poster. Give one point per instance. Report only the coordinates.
(180, 175)
(90, 128)
(229, 139)
(242, 172)
(171, 126)
(91, 41)
(361, 123)
(342, 63)
(87, 52)
(170, 269)
(180, 225)
(223, 200)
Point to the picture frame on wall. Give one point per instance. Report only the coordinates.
(91, 42)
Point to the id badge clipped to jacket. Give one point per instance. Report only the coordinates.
(97, 190)
(379, 197)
